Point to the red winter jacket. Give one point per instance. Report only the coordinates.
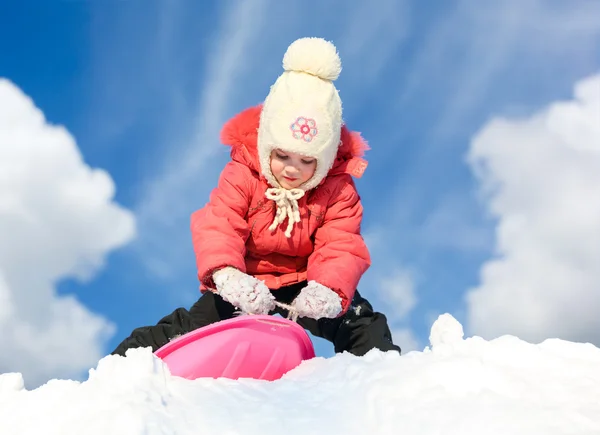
(233, 228)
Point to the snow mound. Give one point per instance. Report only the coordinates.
(455, 386)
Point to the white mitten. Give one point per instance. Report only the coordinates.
(317, 301)
(243, 291)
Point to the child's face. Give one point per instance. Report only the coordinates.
(290, 169)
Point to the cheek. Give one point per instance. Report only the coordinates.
(310, 171)
(275, 166)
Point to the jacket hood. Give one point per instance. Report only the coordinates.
(241, 132)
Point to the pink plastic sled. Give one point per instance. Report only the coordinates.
(259, 347)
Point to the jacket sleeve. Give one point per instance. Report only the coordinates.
(219, 229)
(340, 256)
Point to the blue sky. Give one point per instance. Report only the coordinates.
(143, 88)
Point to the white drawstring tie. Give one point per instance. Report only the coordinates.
(287, 207)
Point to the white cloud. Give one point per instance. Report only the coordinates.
(393, 286)
(541, 180)
(57, 221)
(398, 292)
(407, 341)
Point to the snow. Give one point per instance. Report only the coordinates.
(454, 386)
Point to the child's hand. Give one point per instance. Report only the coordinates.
(317, 301)
(243, 291)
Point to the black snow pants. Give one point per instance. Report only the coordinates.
(358, 331)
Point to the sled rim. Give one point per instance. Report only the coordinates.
(237, 323)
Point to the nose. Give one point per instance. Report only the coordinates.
(291, 169)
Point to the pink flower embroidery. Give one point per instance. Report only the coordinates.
(304, 128)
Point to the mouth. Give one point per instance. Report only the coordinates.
(289, 179)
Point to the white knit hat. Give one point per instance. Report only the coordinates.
(303, 111)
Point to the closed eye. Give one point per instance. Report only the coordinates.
(308, 162)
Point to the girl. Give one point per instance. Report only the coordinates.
(283, 225)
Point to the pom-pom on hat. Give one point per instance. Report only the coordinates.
(303, 111)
